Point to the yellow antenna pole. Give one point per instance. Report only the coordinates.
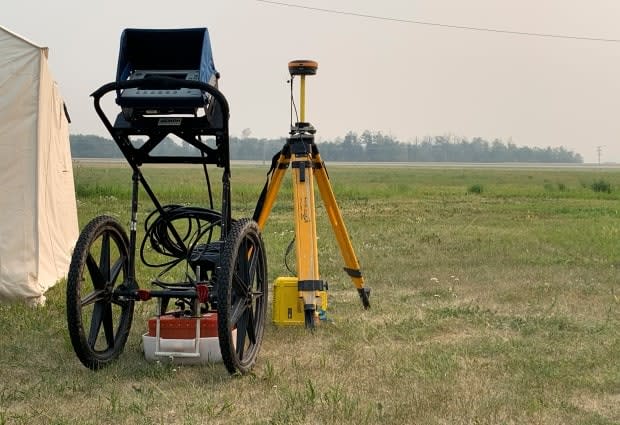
(302, 99)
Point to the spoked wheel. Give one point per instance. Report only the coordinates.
(99, 319)
(242, 296)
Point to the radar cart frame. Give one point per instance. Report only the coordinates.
(223, 260)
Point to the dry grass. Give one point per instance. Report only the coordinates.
(499, 307)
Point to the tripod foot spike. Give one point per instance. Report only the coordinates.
(309, 318)
(364, 295)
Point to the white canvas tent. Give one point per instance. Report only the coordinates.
(38, 219)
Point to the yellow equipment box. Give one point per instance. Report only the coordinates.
(288, 308)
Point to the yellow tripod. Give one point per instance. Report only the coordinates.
(301, 154)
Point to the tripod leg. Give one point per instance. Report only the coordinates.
(305, 227)
(272, 190)
(305, 236)
(352, 267)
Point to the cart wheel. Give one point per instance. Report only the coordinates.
(99, 320)
(242, 296)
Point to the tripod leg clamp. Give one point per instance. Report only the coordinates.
(353, 272)
(311, 285)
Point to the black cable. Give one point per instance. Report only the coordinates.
(293, 104)
(436, 24)
(286, 254)
(198, 223)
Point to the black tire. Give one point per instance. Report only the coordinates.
(99, 320)
(242, 293)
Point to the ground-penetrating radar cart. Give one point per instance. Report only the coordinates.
(210, 266)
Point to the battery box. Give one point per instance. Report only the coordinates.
(288, 308)
(177, 338)
(171, 327)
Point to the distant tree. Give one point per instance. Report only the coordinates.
(91, 146)
(369, 146)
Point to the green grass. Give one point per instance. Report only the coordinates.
(499, 307)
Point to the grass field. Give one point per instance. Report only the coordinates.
(495, 300)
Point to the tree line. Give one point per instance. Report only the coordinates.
(366, 147)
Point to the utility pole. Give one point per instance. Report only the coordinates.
(599, 149)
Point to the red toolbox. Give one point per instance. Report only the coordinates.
(171, 327)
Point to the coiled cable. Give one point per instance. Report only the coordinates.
(162, 228)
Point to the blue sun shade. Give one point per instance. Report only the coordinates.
(166, 49)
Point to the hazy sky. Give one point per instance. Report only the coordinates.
(402, 79)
